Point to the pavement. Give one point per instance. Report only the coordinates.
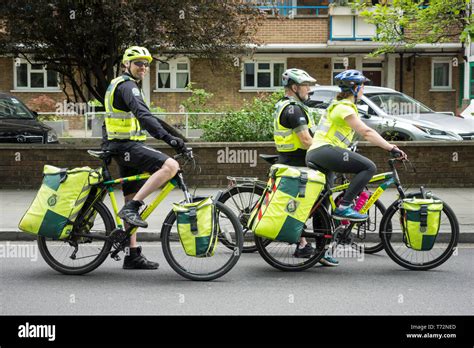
(374, 285)
(14, 203)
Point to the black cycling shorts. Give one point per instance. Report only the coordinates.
(133, 158)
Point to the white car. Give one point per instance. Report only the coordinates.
(396, 116)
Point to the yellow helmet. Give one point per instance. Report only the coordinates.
(136, 52)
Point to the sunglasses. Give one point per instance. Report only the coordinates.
(140, 64)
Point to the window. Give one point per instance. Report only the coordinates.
(441, 74)
(34, 76)
(397, 104)
(10, 107)
(262, 74)
(322, 96)
(471, 81)
(173, 75)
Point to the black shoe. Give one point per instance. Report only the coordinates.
(136, 260)
(130, 214)
(304, 253)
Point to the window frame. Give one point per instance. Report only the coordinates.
(29, 71)
(449, 87)
(256, 62)
(173, 70)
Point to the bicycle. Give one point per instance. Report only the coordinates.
(243, 193)
(321, 231)
(97, 234)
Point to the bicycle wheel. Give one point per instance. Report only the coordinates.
(280, 254)
(392, 238)
(91, 252)
(366, 234)
(241, 200)
(204, 268)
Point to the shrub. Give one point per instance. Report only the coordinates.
(254, 122)
(42, 103)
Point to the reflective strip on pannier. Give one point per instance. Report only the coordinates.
(420, 220)
(197, 227)
(283, 209)
(59, 200)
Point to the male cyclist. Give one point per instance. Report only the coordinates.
(293, 130)
(334, 134)
(123, 133)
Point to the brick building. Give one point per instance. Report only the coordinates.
(307, 34)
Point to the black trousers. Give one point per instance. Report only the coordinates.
(335, 159)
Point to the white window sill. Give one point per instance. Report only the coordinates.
(254, 90)
(169, 90)
(442, 90)
(36, 90)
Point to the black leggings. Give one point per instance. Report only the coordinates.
(330, 159)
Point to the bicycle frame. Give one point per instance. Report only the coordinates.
(168, 187)
(389, 177)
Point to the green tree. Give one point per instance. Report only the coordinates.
(406, 23)
(84, 40)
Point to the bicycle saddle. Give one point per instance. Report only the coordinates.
(272, 159)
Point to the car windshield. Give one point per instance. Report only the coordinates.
(10, 107)
(397, 104)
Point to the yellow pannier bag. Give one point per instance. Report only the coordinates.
(286, 203)
(420, 220)
(197, 227)
(59, 200)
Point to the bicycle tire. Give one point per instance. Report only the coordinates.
(109, 223)
(229, 199)
(321, 222)
(180, 269)
(387, 238)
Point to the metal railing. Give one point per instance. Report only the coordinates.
(290, 11)
(289, 8)
(187, 121)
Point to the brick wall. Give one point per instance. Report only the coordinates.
(224, 83)
(434, 161)
(417, 84)
(319, 68)
(293, 31)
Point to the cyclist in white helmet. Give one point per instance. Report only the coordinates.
(294, 127)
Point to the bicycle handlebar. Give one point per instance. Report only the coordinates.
(187, 154)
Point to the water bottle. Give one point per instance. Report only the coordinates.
(363, 197)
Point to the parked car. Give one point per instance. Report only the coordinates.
(396, 116)
(18, 124)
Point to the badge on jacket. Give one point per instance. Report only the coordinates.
(136, 92)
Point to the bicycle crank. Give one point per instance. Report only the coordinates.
(119, 238)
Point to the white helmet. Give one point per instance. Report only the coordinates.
(296, 76)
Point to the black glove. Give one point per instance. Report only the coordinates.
(397, 153)
(177, 143)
